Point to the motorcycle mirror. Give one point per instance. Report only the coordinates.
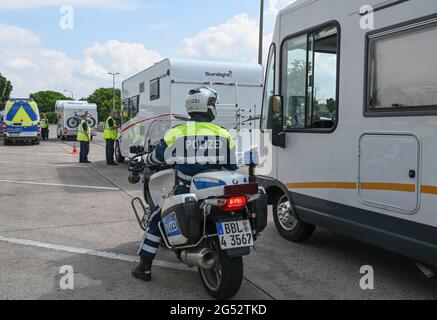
(251, 158)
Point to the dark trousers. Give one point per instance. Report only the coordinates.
(110, 151)
(45, 133)
(84, 151)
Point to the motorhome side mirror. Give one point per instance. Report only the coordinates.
(276, 107)
(136, 149)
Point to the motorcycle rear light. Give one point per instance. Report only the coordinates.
(235, 203)
(241, 189)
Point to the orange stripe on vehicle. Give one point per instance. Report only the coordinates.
(429, 190)
(375, 186)
(380, 186)
(322, 185)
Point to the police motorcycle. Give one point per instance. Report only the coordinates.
(212, 228)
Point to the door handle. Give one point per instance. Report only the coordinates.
(412, 174)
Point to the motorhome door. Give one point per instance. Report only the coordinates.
(389, 173)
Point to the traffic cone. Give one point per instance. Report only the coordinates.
(74, 150)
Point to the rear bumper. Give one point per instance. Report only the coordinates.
(22, 139)
(26, 136)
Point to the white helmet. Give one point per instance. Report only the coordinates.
(202, 101)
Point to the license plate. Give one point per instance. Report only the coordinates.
(15, 130)
(171, 226)
(235, 234)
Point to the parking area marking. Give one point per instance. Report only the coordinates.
(60, 185)
(43, 164)
(36, 153)
(89, 252)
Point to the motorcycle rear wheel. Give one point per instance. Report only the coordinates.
(224, 280)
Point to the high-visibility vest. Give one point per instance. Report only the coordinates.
(44, 124)
(193, 129)
(109, 134)
(81, 134)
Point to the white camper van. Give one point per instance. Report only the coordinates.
(158, 94)
(70, 115)
(355, 140)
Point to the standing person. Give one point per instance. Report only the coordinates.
(110, 135)
(44, 127)
(84, 137)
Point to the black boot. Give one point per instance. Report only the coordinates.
(143, 271)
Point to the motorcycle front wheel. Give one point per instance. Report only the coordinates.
(224, 280)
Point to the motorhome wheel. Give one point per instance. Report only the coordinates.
(288, 226)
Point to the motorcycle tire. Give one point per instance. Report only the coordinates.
(223, 281)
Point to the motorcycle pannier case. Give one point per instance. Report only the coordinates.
(181, 217)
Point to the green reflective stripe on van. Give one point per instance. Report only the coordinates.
(193, 129)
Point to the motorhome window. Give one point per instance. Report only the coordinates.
(154, 89)
(134, 106)
(402, 70)
(125, 113)
(269, 90)
(310, 80)
(142, 87)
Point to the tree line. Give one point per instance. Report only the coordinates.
(5, 91)
(46, 100)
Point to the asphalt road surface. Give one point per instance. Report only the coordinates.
(56, 213)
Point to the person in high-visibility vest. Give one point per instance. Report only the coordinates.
(110, 135)
(84, 137)
(44, 127)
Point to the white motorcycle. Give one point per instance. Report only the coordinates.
(212, 228)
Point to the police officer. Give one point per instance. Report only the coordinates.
(84, 137)
(194, 147)
(110, 135)
(44, 127)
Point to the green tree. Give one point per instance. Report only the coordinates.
(46, 100)
(5, 91)
(103, 97)
(52, 116)
(331, 104)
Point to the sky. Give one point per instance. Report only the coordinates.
(73, 44)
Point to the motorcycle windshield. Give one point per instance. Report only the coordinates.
(159, 127)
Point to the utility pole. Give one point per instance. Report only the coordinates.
(261, 33)
(71, 92)
(113, 88)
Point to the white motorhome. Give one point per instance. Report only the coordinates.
(351, 99)
(70, 114)
(158, 95)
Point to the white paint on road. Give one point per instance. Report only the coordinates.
(59, 185)
(39, 154)
(43, 164)
(89, 252)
